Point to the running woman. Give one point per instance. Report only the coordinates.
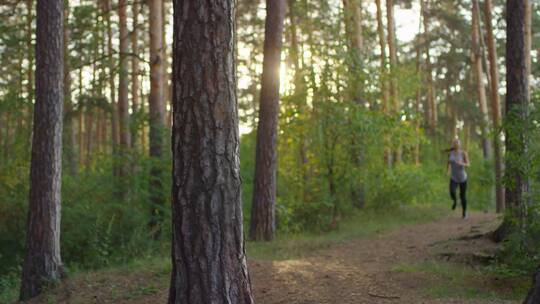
(457, 161)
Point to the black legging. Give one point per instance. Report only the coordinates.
(462, 194)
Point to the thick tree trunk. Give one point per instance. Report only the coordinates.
(42, 263)
(479, 80)
(157, 126)
(208, 253)
(495, 108)
(517, 105)
(123, 83)
(262, 225)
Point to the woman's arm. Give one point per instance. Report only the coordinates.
(465, 162)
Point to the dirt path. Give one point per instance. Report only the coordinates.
(358, 271)
(363, 270)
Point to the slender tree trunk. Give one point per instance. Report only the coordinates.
(391, 29)
(382, 45)
(517, 105)
(30, 49)
(208, 253)
(42, 261)
(416, 151)
(392, 49)
(479, 80)
(353, 23)
(123, 83)
(81, 108)
(69, 134)
(383, 75)
(528, 41)
(299, 91)
(135, 71)
(431, 102)
(157, 126)
(112, 82)
(495, 108)
(262, 225)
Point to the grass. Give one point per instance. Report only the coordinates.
(459, 281)
(362, 224)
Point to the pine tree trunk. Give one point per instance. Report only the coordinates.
(69, 134)
(495, 108)
(157, 126)
(112, 74)
(392, 49)
(528, 40)
(299, 92)
(208, 254)
(135, 70)
(30, 49)
(123, 84)
(517, 105)
(262, 224)
(431, 102)
(42, 263)
(416, 151)
(382, 45)
(353, 24)
(382, 78)
(479, 80)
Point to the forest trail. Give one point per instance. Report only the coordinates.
(402, 266)
(385, 268)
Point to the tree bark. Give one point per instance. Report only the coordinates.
(262, 224)
(392, 49)
(42, 263)
(479, 79)
(30, 49)
(431, 102)
(517, 104)
(495, 108)
(391, 29)
(528, 41)
(135, 70)
(383, 75)
(123, 82)
(208, 253)
(112, 74)
(69, 134)
(156, 109)
(382, 45)
(353, 24)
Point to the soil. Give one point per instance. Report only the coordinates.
(364, 270)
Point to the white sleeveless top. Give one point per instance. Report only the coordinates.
(457, 171)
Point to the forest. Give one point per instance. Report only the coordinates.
(277, 151)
